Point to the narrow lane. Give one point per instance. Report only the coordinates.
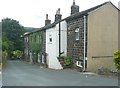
(18, 73)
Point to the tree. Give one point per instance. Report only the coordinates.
(6, 44)
(11, 35)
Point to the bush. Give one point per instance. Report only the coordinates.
(17, 54)
(117, 59)
(67, 60)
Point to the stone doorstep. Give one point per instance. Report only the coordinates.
(88, 73)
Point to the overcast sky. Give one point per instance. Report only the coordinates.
(32, 13)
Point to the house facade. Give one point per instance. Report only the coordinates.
(54, 46)
(45, 45)
(84, 45)
(34, 47)
(102, 36)
(89, 38)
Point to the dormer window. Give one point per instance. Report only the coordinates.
(77, 33)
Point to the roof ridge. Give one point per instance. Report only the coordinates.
(97, 6)
(75, 15)
(88, 10)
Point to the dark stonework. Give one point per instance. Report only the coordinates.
(75, 48)
(26, 47)
(74, 8)
(47, 22)
(58, 17)
(44, 41)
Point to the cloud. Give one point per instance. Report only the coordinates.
(31, 13)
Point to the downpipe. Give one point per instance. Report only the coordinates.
(84, 61)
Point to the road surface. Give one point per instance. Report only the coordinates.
(20, 73)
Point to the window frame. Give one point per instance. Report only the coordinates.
(77, 34)
(50, 39)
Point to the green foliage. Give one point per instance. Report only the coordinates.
(12, 30)
(17, 54)
(11, 36)
(117, 59)
(36, 43)
(7, 45)
(35, 47)
(67, 60)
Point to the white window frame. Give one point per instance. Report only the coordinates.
(77, 35)
(26, 39)
(50, 38)
(78, 63)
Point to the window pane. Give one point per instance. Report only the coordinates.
(50, 39)
(77, 33)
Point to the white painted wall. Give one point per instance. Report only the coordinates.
(64, 37)
(52, 48)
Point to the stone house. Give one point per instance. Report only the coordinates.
(105, 39)
(89, 37)
(92, 36)
(33, 43)
(53, 41)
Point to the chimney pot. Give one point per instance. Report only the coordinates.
(73, 2)
(58, 11)
(46, 16)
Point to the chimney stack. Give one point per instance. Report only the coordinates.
(47, 21)
(74, 8)
(58, 16)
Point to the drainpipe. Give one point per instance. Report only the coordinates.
(84, 43)
(59, 40)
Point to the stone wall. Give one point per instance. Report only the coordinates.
(44, 41)
(75, 48)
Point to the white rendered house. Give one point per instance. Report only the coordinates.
(56, 43)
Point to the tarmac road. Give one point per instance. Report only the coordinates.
(19, 73)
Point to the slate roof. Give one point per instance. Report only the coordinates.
(74, 16)
(87, 11)
(84, 12)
